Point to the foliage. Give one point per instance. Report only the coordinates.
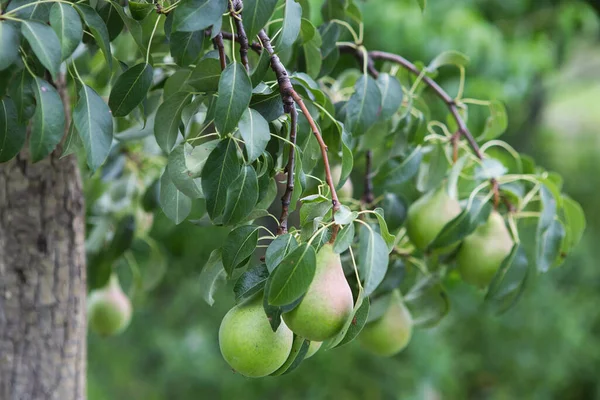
(208, 135)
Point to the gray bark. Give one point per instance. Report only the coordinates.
(42, 280)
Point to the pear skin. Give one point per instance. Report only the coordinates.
(328, 302)
(109, 309)
(347, 189)
(482, 252)
(391, 333)
(428, 215)
(248, 343)
(313, 347)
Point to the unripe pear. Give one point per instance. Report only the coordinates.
(313, 347)
(248, 343)
(327, 304)
(428, 215)
(483, 251)
(347, 189)
(109, 309)
(391, 333)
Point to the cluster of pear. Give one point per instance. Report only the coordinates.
(251, 347)
(109, 309)
(480, 254)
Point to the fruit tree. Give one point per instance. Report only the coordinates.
(353, 185)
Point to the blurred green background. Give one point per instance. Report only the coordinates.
(542, 58)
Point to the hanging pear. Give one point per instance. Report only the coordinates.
(347, 189)
(391, 333)
(109, 309)
(428, 215)
(482, 252)
(328, 302)
(248, 343)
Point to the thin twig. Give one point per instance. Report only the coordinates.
(286, 199)
(255, 46)
(218, 43)
(235, 10)
(289, 96)
(359, 55)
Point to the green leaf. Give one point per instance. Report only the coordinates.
(220, 170)
(73, 144)
(140, 11)
(548, 211)
(211, 276)
(312, 58)
(66, 23)
(22, 93)
(269, 106)
(299, 350)
(574, 221)
(345, 216)
(122, 238)
(362, 110)
(256, 14)
(239, 246)
(37, 10)
(195, 15)
(12, 134)
(9, 44)
(98, 28)
(254, 129)
(261, 68)
(372, 258)
(383, 228)
(292, 20)
(133, 27)
(168, 119)
(428, 301)
(185, 47)
(496, 123)
(450, 57)
(391, 95)
(344, 239)
(490, 168)
(550, 243)
(179, 173)
(130, 89)
(395, 210)
(251, 282)
(242, 196)
(44, 43)
(395, 173)
(278, 249)
(509, 281)
(112, 20)
(292, 277)
(195, 160)
(48, 120)
(94, 124)
(176, 205)
(422, 4)
(337, 339)
(205, 77)
(358, 321)
(235, 91)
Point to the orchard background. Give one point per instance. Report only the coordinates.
(540, 58)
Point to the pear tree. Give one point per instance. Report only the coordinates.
(353, 186)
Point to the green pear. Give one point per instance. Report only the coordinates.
(327, 304)
(248, 343)
(391, 333)
(313, 347)
(109, 309)
(347, 189)
(483, 251)
(428, 215)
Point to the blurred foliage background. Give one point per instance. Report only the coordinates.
(540, 57)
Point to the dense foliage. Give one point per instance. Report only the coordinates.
(210, 145)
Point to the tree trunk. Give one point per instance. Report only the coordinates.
(42, 280)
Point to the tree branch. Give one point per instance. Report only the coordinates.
(235, 10)
(255, 46)
(218, 43)
(289, 96)
(286, 199)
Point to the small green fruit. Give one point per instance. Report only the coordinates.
(391, 333)
(109, 309)
(248, 343)
(327, 304)
(347, 189)
(482, 252)
(428, 215)
(313, 347)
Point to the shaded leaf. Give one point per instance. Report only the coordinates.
(180, 174)
(168, 119)
(363, 108)
(239, 246)
(250, 283)
(254, 129)
(12, 134)
(372, 258)
(195, 15)
(66, 23)
(176, 205)
(292, 277)
(130, 89)
(44, 43)
(48, 120)
(278, 249)
(391, 95)
(235, 91)
(98, 29)
(211, 276)
(256, 14)
(9, 44)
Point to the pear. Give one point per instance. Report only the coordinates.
(313, 347)
(391, 333)
(109, 309)
(347, 189)
(483, 251)
(248, 343)
(327, 304)
(428, 215)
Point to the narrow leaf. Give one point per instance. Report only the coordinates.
(180, 174)
(12, 134)
(195, 15)
(130, 89)
(48, 120)
(292, 21)
(242, 196)
(168, 119)
(176, 205)
(291, 279)
(9, 44)
(45, 44)
(98, 28)
(66, 23)
(372, 258)
(254, 129)
(250, 283)
(239, 246)
(278, 249)
(235, 91)
(256, 14)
